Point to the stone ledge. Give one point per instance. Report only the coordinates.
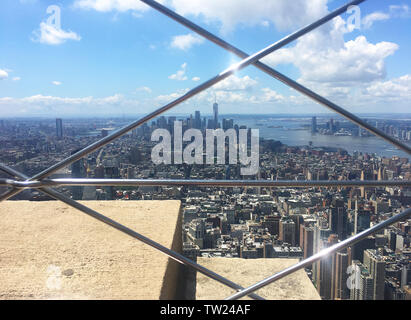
(49, 250)
(245, 272)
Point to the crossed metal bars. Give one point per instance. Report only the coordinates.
(172, 254)
(38, 181)
(180, 258)
(201, 183)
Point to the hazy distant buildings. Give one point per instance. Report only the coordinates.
(228, 124)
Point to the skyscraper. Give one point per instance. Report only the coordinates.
(362, 286)
(215, 110)
(59, 128)
(331, 126)
(228, 124)
(324, 269)
(77, 171)
(314, 125)
(308, 241)
(376, 266)
(197, 120)
(287, 231)
(338, 219)
(340, 276)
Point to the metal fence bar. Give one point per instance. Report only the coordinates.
(8, 194)
(170, 253)
(231, 70)
(277, 75)
(201, 183)
(341, 245)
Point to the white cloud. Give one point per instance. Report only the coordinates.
(186, 41)
(284, 14)
(143, 89)
(265, 23)
(56, 83)
(270, 95)
(402, 11)
(52, 100)
(180, 75)
(16, 79)
(324, 57)
(49, 34)
(233, 90)
(111, 5)
(394, 89)
(3, 74)
(165, 98)
(235, 83)
(51, 105)
(394, 11)
(196, 79)
(376, 16)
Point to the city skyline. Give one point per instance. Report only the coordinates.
(110, 60)
(273, 223)
(95, 107)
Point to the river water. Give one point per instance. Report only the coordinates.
(295, 131)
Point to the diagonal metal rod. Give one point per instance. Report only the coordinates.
(273, 73)
(8, 194)
(170, 253)
(202, 183)
(223, 75)
(339, 246)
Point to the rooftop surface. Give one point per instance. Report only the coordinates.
(246, 272)
(49, 250)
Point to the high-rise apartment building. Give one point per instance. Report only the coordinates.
(361, 282)
(340, 276)
(324, 269)
(287, 231)
(308, 243)
(339, 219)
(376, 266)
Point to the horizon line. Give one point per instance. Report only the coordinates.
(119, 116)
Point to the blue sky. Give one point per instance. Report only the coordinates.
(114, 57)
